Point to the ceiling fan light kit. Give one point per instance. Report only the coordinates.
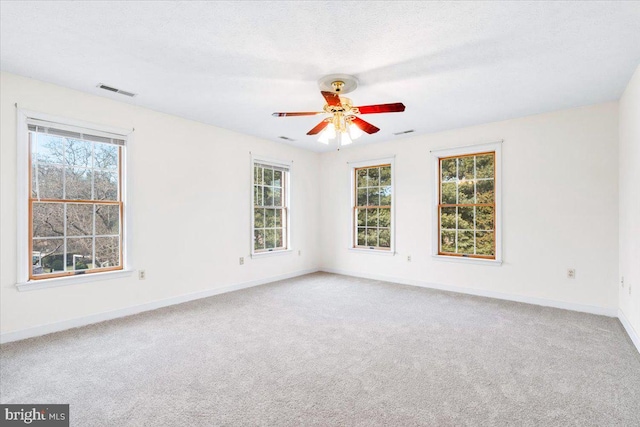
(343, 123)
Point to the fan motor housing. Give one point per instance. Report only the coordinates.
(338, 83)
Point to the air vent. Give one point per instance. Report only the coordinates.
(404, 132)
(113, 89)
(286, 138)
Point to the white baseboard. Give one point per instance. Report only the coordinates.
(128, 311)
(603, 311)
(635, 338)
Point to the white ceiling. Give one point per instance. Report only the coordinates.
(231, 64)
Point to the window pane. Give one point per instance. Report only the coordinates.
(279, 237)
(374, 177)
(362, 197)
(258, 240)
(269, 218)
(46, 182)
(257, 196)
(484, 166)
(372, 237)
(385, 238)
(448, 218)
(465, 168)
(362, 237)
(448, 242)
(385, 196)
(47, 256)
(270, 238)
(466, 192)
(80, 253)
(78, 183)
(484, 243)
(362, 177)
(268, 196)
(107, 219)
(78, 153)
(107, 252)
(465, 242)
(48, 219)
(257, 175)
(277, 178)
(106, 185)
(484, 219)
(50, 149)
(385, 176)
(268, 177)
(372, 217)
(465, 220)
(361, 217)
(384, 217)
(448, 193)
(448, 170)
(277, 196)
(373, 196)
(278, 213)
(485, 191)
(105, 156)
(79, 219)
(258, 218)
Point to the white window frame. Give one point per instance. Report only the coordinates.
(287, 198)
(352, 223)
(23, 154)
(436, 155)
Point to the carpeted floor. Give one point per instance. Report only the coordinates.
(330, 350)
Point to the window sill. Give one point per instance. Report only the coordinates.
(466, 260)
(271, 253)
(372, 251)
(71, 280)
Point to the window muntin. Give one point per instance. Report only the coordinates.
(466, 205)
(75, 202)
(372, 207)
(270, 208)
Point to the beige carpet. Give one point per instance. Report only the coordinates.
(330, 350)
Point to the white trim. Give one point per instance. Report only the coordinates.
(633, 335)
(267, 254)
(584, 308)
(128, 311)
(352, 180)
(457, 151)
(22, 135)
(72, 280)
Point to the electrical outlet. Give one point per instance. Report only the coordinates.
(622, 281)
(299, 253)
(241, 260)
(629, 290)
(571, 273)
(408, 258)
(142, 275)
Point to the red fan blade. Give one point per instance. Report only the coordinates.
(332, 98)
(323, 124)
(382, 108)
(308, 113)
(364, 126)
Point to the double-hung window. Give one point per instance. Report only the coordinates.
(468, 202)
(372, 206)
(270, 200)
(75, 200)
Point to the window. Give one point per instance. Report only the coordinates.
(270, 219)
(74, 218)
(467, 203)
(373, 206)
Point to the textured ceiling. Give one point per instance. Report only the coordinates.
(231, 64)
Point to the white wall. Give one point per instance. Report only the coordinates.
(190, 201)
(630, 202)
(560, 209)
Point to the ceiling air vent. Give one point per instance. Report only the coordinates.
(286, 138)
(113, 89)
(404, 132)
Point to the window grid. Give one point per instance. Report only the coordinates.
(476, 207)
(372, 207)
(37, 271)
(270, 231)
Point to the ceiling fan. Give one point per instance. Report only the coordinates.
(343, 121)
